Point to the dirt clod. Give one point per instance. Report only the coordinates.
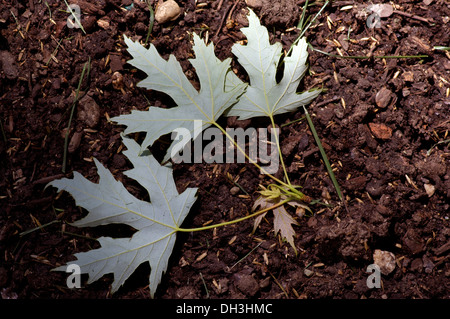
(246, 284)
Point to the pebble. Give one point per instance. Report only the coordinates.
(428, 265)
(8, 64)
(308, 273)
(255, 4)
(89, 111)
(117, 81)
(385, 260)
(429, 189)
(234, 190)
(383, 97)
(167, 11)
(75, 141)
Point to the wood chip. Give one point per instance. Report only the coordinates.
(380, 131)
(202, 256)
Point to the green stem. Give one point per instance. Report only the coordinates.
(87, 66)
(324, 155)
(279, 150)
(307, 27)
(299, 194)
(235, 220)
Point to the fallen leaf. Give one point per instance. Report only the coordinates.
(282, 223)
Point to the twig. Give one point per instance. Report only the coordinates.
(219, 6)
(412, 16)
(232, 9)
(278, 283)
(227, 14)
(334, 99)
(152, 21)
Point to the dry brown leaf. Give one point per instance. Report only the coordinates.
(282, 222)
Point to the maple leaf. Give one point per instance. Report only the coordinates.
(206, 105)
(260, 59)
(276, 197)
(282, 221)
(156, 222)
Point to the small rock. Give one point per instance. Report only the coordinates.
(385, 260)
(290, 143)
(115, 63)
(427, 264)
(380, 131)
(375, 187)
(308, 273)
(264, 283)
(234, 190)
(89, 111)
(8, 64)
(119, 161)
(167, 11)
(383, 97)
(232, 121)
(104, 23)
(255, 4)
(430, 189)
(408, 76)
(117, 81)
(7, 293)
(75, 141)
(303, 143)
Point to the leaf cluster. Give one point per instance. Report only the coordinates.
(221, 93)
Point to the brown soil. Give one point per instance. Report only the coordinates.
(378, 144)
